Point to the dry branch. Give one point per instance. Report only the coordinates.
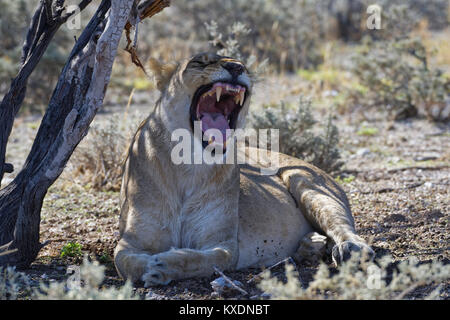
(147, 9)
(259, 275)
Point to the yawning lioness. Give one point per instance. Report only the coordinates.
(180, 220)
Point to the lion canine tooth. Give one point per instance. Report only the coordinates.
(241, 96)
(218, 93)
(237, 99)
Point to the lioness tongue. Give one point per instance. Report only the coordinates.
(216, 121)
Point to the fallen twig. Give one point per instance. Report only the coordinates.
(410, 289)
(259, 275)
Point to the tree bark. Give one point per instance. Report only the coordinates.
(73, 105)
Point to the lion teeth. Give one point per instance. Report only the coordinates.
(241, 97)
(218, 93)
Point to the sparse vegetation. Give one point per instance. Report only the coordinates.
(12, 283)
(395, 70)
(98, 160)
(367, 131)
(362, 281)
(353, 280)
(71, 249)
(342, 180)
(298, 134)
(87, 287)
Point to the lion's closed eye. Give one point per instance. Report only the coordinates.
(197, 64)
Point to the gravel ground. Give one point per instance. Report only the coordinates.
(396, 175)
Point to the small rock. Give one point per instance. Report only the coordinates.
(220, 285)
(383, 244)
(428, 184)
(395, 218)
(265, 295)
(262, 296)
(363, 152)
(394, 159)
(426, 157)
(434, 214)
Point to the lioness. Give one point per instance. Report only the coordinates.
(180, 221)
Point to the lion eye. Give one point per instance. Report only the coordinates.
(197, 63)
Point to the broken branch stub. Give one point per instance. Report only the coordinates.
(146, 9)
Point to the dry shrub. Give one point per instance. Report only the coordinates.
(12, 283)
(87, 287)
(362, 281)
(97, 161)
(395, 73)
(287, 32)
(299, 136)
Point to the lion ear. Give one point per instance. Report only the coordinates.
(162, 72)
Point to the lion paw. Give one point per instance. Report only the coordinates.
(156, 273)
(343, 251)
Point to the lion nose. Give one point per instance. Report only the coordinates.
(234, 68)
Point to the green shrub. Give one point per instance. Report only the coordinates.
(71, 249)
(367, 131)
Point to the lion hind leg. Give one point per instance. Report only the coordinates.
(326, 207)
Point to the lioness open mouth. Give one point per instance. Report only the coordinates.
(217, 106)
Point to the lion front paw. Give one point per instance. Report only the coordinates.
(156, 273)
(343, 251)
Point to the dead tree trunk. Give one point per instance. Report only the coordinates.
(75, 101)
